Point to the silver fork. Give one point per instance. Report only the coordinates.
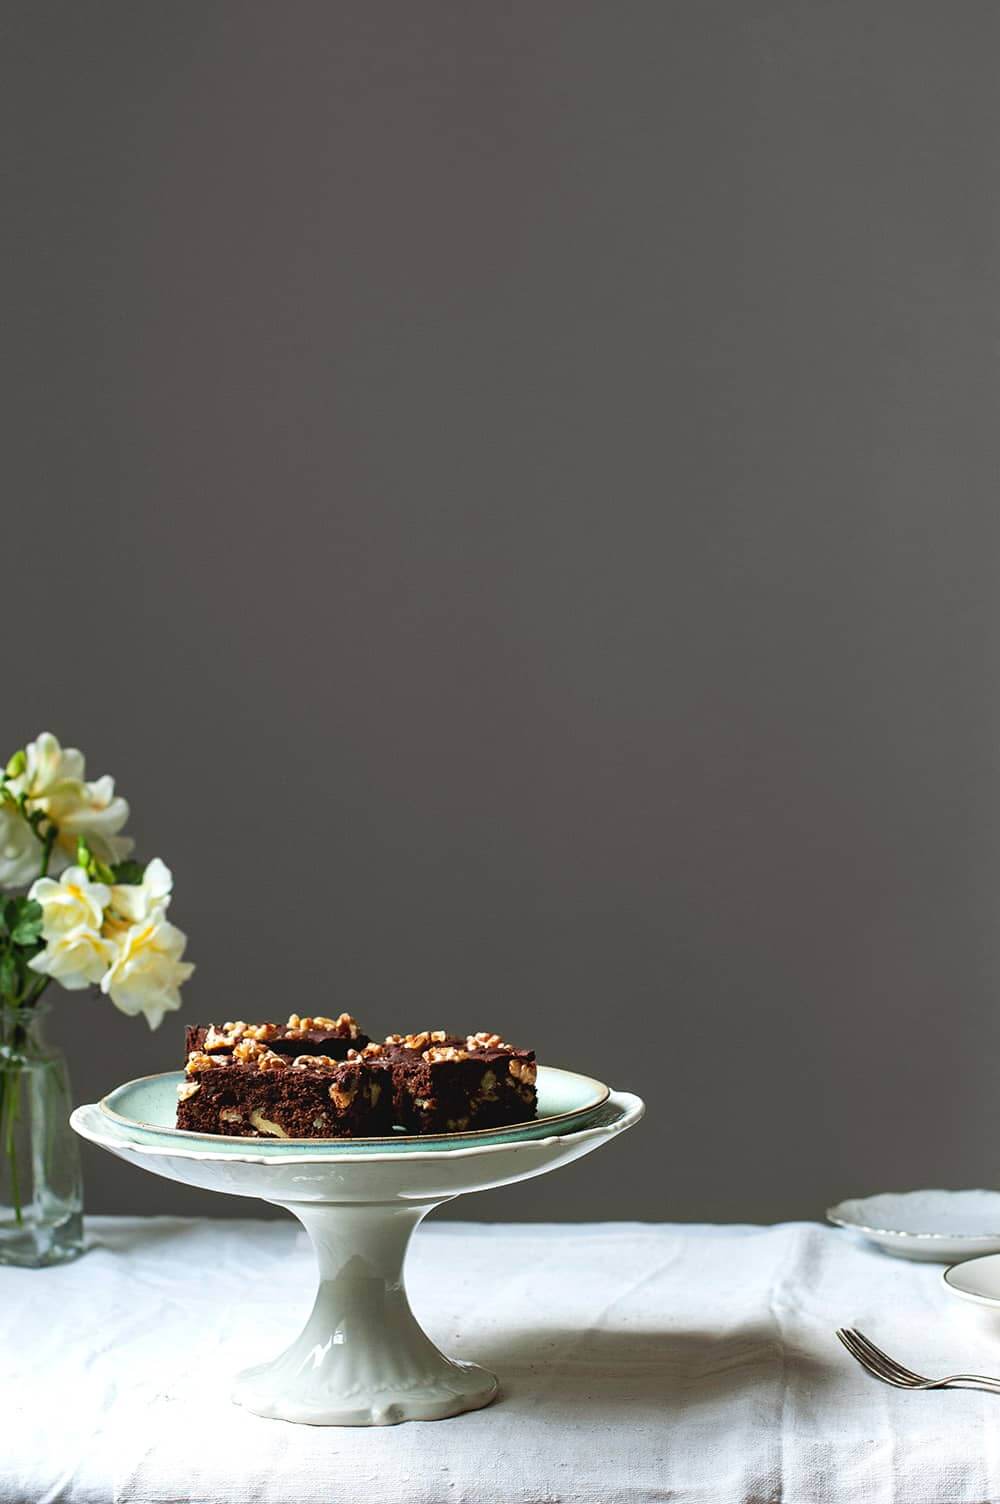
(874, 1361)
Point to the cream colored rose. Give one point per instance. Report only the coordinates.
(75, 958)
(73, 902)
(137, 901)
(148, 970)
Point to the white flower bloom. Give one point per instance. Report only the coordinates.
(97, 813)
(49, 768)
(75, 958)
(137, 901)
(73, 902)
(53, 781)
(147, 972)
(94, 811)
(20, 852)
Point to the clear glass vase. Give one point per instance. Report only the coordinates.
(41, 1188)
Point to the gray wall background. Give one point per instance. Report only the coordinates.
(511, 492)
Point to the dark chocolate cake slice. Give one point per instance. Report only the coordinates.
(253, 1092)
(442, 1083)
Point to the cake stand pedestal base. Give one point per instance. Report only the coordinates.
(362, 1359)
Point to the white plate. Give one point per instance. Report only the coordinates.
(943, 1227)
(977, 1280)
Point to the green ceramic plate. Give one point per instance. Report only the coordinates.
(147, 1109)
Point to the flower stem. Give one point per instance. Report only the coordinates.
(47, 845)
(10, 1091)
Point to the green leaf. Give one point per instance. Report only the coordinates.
(23, 917)
(17, 763)
(128, 872)
(24, 920)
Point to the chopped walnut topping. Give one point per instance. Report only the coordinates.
(445, 1052)
(312, 1062)
(226, 1037)
(525, 1071)
(199, 1061)
(344, 1024)
(418, 1041)
(269, 1061)
(247, 1050)
(485, 1042)
(187, 1089)
(262, 1033)
(370, 1052)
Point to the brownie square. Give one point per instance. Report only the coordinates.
(442, 1083)
(255, 1092)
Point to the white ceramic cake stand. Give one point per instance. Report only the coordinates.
(362, 1359)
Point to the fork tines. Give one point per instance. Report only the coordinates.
(874, 1361)
(877, 1362)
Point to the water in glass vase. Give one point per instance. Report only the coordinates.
(41, 1190)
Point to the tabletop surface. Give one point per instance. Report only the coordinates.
(638, 1362)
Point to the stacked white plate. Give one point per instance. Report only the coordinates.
(941, 1227)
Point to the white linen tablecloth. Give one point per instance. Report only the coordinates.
(638, 1362)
